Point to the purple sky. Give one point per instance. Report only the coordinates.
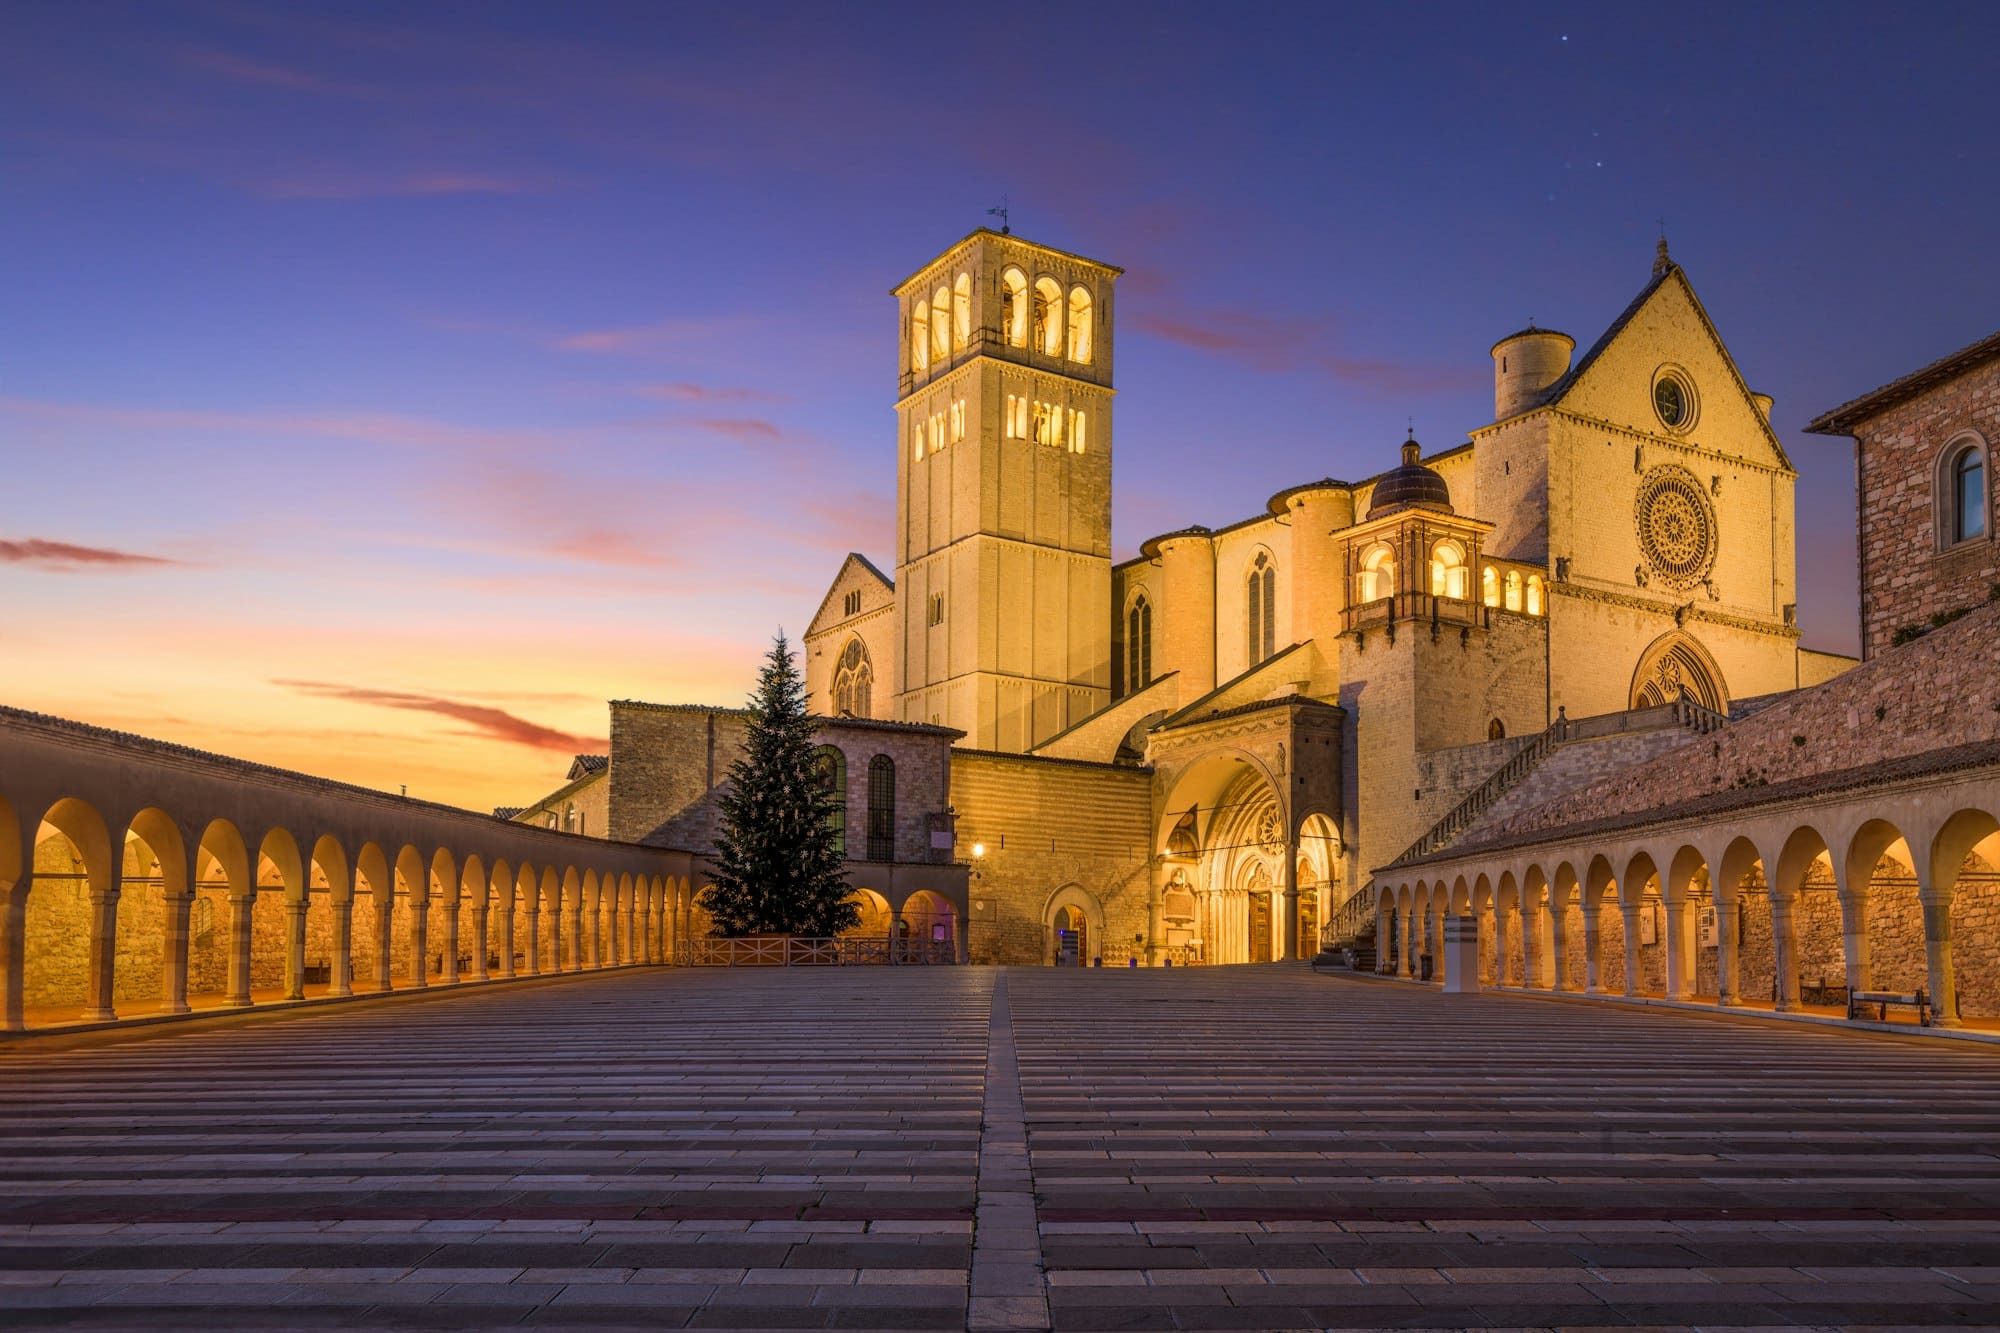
(456, 367)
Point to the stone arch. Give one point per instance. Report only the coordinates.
(442, 889)
(1883, 909)
(69, 868)
(471, 922)
(1964, 967)
(410, 882)
(1674, 662)
(222, 938)
(876, 921)
(154, 902)
(1064, 909)
(586, 949)
(328, 875)
(374, 917)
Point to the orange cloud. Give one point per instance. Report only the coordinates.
(65, 558)
(492, 723)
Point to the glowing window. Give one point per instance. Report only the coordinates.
(1377, 579)
(1448, 572)
(1048, 317)
(941, 324)
(1262, 620)
(961, 312)
(853, 680)
(1079, 325)
(1513, 590)
(1534, 594)
(920, 337)
(1014, 311)
(937, 431)
(1076, 429)
(1489, 586)
(917, 439)
(957, 420)
(1139, 645)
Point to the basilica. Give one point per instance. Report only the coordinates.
(1197, 755)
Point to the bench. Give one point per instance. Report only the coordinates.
(1826, 992)
(1858, 1003)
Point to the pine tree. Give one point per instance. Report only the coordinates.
(777, 864)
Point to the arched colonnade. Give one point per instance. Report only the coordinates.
(1879, 889)
(143, 878)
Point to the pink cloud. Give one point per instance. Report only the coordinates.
(707, 393)
(65, 558)
(267, 75)
(492, 723)
(366, 427)
(650, 337)
(603, 547)
(744, 430)
(1283, 344)
(427, 184)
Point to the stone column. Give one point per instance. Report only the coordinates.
(1785, 950)
(1728, 956)
(1680, 951)
(504, 946)
(1288, 902)
(1532, 951)
(385, 937)
(420, 935)
(1630, 912)
(1937, 951)
(590, 944)
(295, 947)
(554, 962)
(1409, 919)
(1854, 931)
(98, 1007)
(482, 917)
(1558, 943)
(340, 975)
(14, 954)
(1500, 944)
(450, 951)
(576, 933)
(1593, 948)
(533, 951)
(174, 913)
(1437, 920)
(241, 907)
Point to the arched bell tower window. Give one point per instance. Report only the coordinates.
(881, 808)
(1449, 574)
(1139, 645)
(920, 336)
(1079, 325)
(1262, 620)
(1534, 596)
(961, 312)
(941, 324)
(1048, 317)
(1489, 586)
(853, 681)
(1962, 493)
(1014, 307)
(1376, 580)
(1513, 590)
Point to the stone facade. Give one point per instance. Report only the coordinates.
(1915, 567)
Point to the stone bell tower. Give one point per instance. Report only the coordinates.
(1003, 490)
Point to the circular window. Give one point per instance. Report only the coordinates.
(1676, 526)
(1673, 399)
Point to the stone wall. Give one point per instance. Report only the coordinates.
(1048, 824)
(1905, 578)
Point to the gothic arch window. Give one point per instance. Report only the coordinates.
(1449, 573)
(1262, 620)
(1139, 645)
(1675, 665)
(1489, 586)
(830, 767)
(920, 336)
(1496, 730)
(1014, 307)
(1377, 578)
(1048, 317)
(1962, 493)
(1534, 602)
(1079, 325)
(1513, 590)
(881, 808)
(941, 324)
(961, 312)
(853, 681)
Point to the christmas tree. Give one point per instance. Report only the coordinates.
(777, 861)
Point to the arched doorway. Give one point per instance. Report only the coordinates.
(1072, 937)
(1074, 924)
(1675, 664)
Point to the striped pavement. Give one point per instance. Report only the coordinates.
(1252, 1147)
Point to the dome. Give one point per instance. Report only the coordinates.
(1410, 484)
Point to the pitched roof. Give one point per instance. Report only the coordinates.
(586, 764)
(1842, 419)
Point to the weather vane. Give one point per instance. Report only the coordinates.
(1001, 213)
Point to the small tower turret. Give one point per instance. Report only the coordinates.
(1526, 363)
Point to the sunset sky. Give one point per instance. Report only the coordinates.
(383, 388)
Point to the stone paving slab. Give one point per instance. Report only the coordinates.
(955, 1148)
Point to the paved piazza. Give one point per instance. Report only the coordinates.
(1250, 1147)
